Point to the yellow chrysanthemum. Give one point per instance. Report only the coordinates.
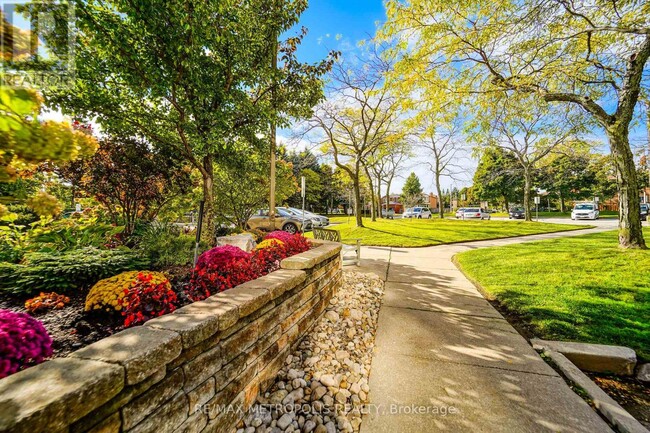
(107, 293)
(269, 243)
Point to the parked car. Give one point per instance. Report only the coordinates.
(317, 220)
(645, 209)
(518, 213)
(417, 212)
(283, 221)
(459, 212)
(585, 211)
(390, 214)
(475, 213)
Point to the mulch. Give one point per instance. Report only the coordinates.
(71, 328)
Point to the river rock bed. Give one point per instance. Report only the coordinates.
(323, 384)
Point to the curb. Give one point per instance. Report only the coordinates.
(604, 404)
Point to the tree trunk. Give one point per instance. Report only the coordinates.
(388, 182)
(506, 203)
(527, 186)
(208, 229)
(371, 188)
(357, 202)
(561, 201)
(379, 215)
(630, 232)
(441, 208)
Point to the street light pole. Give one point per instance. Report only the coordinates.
(274, 67)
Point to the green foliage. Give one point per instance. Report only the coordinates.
(166, 246)
(66, 271)
(9, 252)
(23, 215)
(45, 205)
(412, 191)
(69, 234)
(323, 188)
(570, 174)
(242, 187)
(205, 78)
(498, 177)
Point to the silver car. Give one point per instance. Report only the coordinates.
(418, 212)
(283, 221)
(475, 213)
(318, 220)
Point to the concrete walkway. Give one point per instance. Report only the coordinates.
(446, 360)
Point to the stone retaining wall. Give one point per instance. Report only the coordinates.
(196, 370)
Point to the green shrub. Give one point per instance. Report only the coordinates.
(8, 252)
(66, 271)
(24, 215)
(70, 234)
(166, 246)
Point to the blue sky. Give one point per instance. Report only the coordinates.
(350, 20)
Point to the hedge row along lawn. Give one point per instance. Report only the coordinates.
(583, 288)
(427, 232)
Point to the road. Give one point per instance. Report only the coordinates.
(600, 223)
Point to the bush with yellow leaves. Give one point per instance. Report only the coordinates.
(269, 243)
(45, 205)
(108, 293)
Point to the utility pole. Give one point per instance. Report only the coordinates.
(274, 67)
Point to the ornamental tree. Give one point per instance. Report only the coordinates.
(130, 179)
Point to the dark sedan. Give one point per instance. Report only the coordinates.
(517, 213)
(645, 208)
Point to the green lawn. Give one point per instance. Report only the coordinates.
(583, 288)
(421, 233)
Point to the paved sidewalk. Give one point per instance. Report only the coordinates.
(442, 348)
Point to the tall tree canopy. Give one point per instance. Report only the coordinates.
(361, 114)
(591, 54)
(190, 76)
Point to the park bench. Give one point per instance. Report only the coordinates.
(335, 236)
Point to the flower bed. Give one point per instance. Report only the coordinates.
(133, 297)
(180, 370)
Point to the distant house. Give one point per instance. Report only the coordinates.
(394, 202)
(612, 203)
